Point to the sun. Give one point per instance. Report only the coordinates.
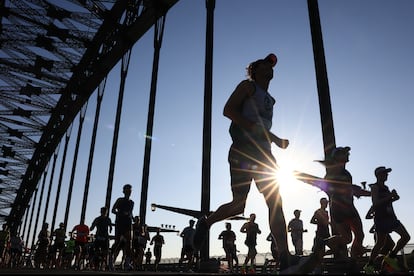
(296, 191)
(285, 174)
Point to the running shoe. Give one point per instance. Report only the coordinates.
(369, 269)
(243, 269)
(392, 262)
(304, 265)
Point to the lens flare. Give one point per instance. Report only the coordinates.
(285, 174)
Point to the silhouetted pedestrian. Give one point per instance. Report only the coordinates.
(250, 109)
(386, 221)
(321, 219)
(158, 242)
(251, 228)
(295, 227)
(123, 208)
(229, 237)
(187, 251)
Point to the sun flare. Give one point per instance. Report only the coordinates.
(285, 175)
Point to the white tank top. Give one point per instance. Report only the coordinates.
(259, 107)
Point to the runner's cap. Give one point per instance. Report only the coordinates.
(381, 170)
(330, 159)
(339, 150)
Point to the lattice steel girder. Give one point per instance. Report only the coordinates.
(51, 39)
(21, 123)
(18, 144)
(13, 165)
(5, 190)
(7, 205)
(11, 182)
(27, 98)
(24, 68)
(89, 73)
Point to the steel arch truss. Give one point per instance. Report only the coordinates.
(53, 55)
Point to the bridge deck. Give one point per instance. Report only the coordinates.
(213, 267)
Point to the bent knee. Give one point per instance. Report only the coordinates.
(238, 209)
(406, 238)
(237, 205)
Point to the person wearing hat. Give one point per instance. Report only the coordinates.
(250, 109)
(295, 227)
(385, 221)
(346, 222)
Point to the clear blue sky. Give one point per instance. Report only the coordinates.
(370, 64)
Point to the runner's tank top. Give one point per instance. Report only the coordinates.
(257, 108)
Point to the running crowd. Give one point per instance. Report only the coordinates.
(82, 249)
(250, 157)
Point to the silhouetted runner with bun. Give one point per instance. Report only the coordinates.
(250, 109)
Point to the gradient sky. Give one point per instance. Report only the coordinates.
(370, 64)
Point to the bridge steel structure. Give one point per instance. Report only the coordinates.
(52, 60)
(55, 54)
